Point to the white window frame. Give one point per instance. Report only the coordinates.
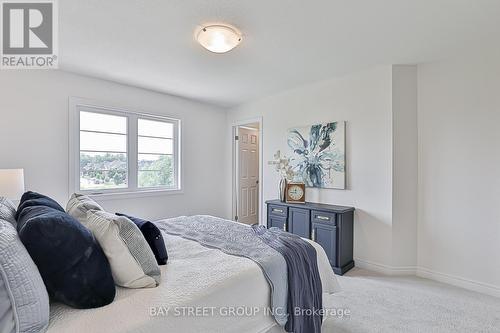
(75, 106)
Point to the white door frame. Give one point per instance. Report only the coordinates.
(234, 191)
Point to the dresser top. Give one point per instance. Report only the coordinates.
(313, 205)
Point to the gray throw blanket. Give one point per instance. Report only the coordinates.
(239, 240)
(305, 301)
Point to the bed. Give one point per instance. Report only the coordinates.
(202, 290)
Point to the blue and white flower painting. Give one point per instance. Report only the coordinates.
(318, 157)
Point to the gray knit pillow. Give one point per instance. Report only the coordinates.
(24, 302)
(7, 211)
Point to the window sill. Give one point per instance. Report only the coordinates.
(132, 195)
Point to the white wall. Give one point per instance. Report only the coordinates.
(364, 101)
(34, 136)
(459, 172)
(405, 169)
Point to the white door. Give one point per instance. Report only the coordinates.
(248, 176)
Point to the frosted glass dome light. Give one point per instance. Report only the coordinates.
(218, 38)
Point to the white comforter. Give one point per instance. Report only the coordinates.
(199, 288)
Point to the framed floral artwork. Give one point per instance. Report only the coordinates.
(318, 154)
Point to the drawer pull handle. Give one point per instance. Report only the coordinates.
(278, 210)
(324, 218)
(313, 235)
(284, 226)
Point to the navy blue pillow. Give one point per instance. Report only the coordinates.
(153, 238)
(72, 264)
(36, 199)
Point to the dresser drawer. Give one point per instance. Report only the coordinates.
(325, 217)
(277, 222)
(276, 210)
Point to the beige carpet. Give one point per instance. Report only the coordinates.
(380, 303)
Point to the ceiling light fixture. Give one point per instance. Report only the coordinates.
(218, 38)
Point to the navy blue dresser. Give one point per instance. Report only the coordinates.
(328, 225)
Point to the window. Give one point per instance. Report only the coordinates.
(116, 151)
(103, 151)
(156, 150)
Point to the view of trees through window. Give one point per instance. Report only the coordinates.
(101, 171)
(104, 171)
(155, 147)
(157, 172)
(105, 158)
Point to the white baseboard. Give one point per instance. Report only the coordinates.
(477, 286)
(423, 272)
(385, 269)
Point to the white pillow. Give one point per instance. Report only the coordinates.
(78, 206)
(132, 262)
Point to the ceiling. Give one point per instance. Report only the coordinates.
(286, 43)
